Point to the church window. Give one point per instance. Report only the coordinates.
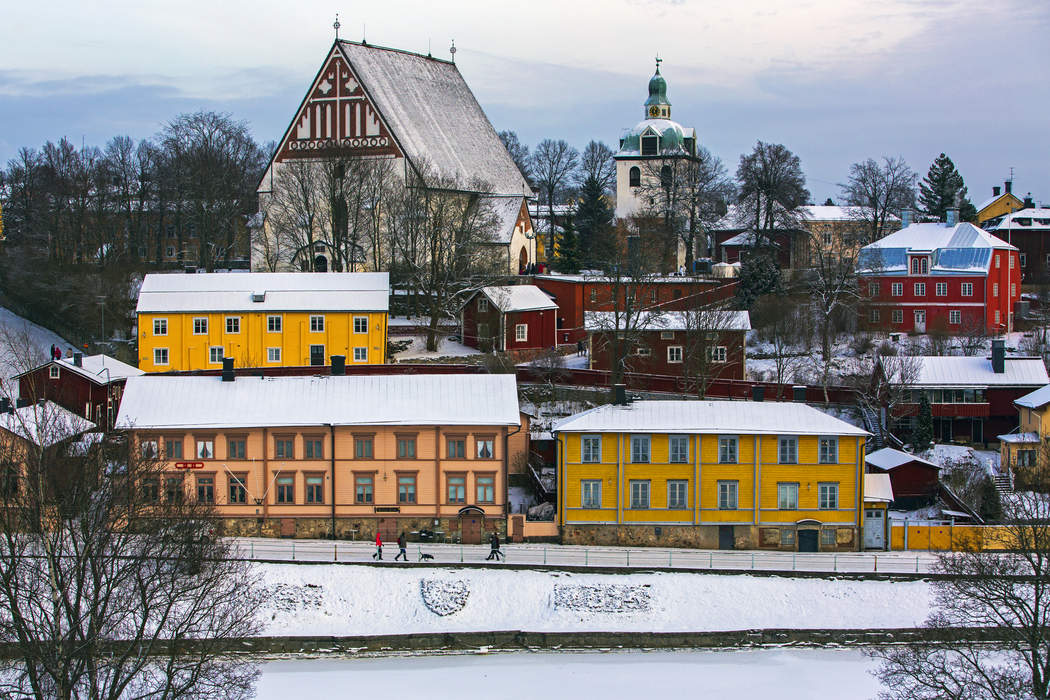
(635, 177)
(690, 145)
(665, 176)
(650, 145)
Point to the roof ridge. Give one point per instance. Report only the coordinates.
(428, 57)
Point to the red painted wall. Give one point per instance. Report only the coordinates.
(541, 329)
(656, 362)
(911, 480)
(72, 391)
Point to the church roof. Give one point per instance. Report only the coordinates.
(506, 210)
(434, 116)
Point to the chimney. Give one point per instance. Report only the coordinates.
(758, 393)
(1009, 186)
(905, 218)
(995, 190)
(1028, 202)
(619, 394)
(338, 365)
(78, 359)
(799, 394)
(999, 356)
(227, 369)
(953, 217)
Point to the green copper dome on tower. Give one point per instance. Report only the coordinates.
(657, 106)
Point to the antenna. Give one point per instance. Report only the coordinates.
(336, 25)
(364, 27)
(453, 51)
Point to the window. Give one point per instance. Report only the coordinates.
(634, 180)
(650, 145)
(873, 289)
(897, 315)
(1026, 458)
(827, 238)
(360, 324)
(594, 295)
(639, 494)
(363, 488)
(363, 448)
(1013, 288)
(967, 289)
(406, 488)
(173, 448)
(150, 490)
(284, 448)
(915, 266)
(286, 489)
(200, 326)
(995, 289)
(483, 304)
(666, 335)
(521, 332)
(674, 354)
(716, 354)
(788, 450)
(317, 324)
(677, 494)
(640, 449)
(170, 251)
(215, 355)
(233, 324)
(1011, 262)
(997, 315)
(148, 449)
(591, 449)
(897, 289)
(643, 351)
(665, 176)
(273, 354)
(313, 448)
(456, 448)
(787, 496)
(315, 489)
(205, 489)
(406, 448)
(678, 448)
(829, 497)
(273, 324)
(920, 289)
(874, 316)
(787, 538)
(457, 489)
(727, 450)
(173, 489)
(238, 493)
(954, 316)
(485, 489)
(484, 448)
(727, 495)
(160, 326)
(206, 449)
(827, 537)
(653, 297)
(591, 493)
(941, 289)
(160, 356)
(997, 261)
(828, 450)
(54, 372)
(1024, 259)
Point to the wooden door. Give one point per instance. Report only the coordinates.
(470, 527)
(287, 527)
(517, 528)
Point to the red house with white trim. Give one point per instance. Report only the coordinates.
(947, 277)
(516, 317)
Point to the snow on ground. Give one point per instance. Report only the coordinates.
(787, 674)
(520, 499)
(19, 337)
(942, 453)
(322, 600)
(417, 349)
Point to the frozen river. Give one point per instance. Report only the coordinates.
(788, 674)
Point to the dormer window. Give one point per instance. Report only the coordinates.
(690, 145)
(650, 145)
(635, 177)
(920, 265)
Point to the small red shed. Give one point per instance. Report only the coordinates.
(516, 317)
(915, 480)
(89, 386)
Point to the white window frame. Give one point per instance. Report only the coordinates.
(317, 323)
(787, 495)
(874, 316)
(212, 352)
(1011, 262)
(897, 289)
(360, 354)
(787, 449)
(590, 493)
(966, 289)
(54, 372)
(941, 289)
(483, 304)
(717, 354)
(643, 351)
(590, 449)
(920, 289)
(997, 261)
(274, 323)
(675, 454)
(639, 493)
(873, 289)
(728, 449)
(728, 495)
(674, 354)
(160, 326)
(954, 317)
(1013, 288)
(637, 442)
(360, 324)
(234, 323)
(998, 318)
(995, 289)
(200, 325)
(157, 356)
(828, 449)
(666, 335)
(828, 498)
(273, 354)
(897, 316)
(676, 503)
(521, 332)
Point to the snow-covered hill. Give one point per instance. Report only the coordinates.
(23, 344)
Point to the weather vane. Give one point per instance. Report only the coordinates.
(336, 25)
(658, 62)
(453, 51)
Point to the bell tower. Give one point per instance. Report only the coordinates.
(657, 106)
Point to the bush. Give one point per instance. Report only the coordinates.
(887, 349)
(862, 344)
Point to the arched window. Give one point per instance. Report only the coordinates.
(635, 177)
(665, 176)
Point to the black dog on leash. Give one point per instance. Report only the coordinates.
(423, 556)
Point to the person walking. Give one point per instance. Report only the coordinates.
(402, 547)
(579, 348)
(378, 554)
(494, 544)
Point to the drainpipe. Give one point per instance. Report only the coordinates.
(331, 432)
(506, 463)
(266, 474)
(437, 473)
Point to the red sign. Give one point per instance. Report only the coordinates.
(189, 465)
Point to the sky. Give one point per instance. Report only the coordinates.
(836, 81)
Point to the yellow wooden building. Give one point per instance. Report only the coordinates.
(726, 474)
(1022, 449)
(274, 319)
(998, 205)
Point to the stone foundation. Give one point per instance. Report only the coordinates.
(697, 537)
(362, 529)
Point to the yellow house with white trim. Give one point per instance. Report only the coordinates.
(273, 319)
(725, 474)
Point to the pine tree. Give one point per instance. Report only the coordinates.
(594, 219)
(759, 275)
(991, 509)
(922, 436)
(567, 256)
(942, 189)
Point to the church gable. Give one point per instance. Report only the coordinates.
(337, 118)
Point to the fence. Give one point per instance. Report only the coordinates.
(930, 537)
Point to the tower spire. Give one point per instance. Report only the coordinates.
(453, 51)
(658, 62)
(336, 25)
(657, 106)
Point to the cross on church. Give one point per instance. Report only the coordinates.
(336, 26)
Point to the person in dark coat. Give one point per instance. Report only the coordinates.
(402, 547)
(378, 554)
(494, 543)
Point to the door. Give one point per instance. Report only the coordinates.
(807, 540)
(470, 527)
(388, 529)
(287, 527)
(725, 537)
(316, 355)
(920, 320)
(874, 528)
(517, 528)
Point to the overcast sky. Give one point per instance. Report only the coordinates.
(836, 81)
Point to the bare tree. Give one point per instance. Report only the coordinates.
(597, 164)
(772, 187)
(1007, 594)
(833, 293)
(518, 151)
(877, 191)
(784, 324)
(553, 166)
(973, 337)
(894, 377)
(709, 344)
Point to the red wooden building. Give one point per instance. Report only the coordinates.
(578, 294)
(915, 481)
(667, 342)
(946, 277)
(517, 317)
(88, 386)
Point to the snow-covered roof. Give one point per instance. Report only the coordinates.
(878, 488)
(100, 369)
(811, 212)
(44, 423)
(600, 277)
(1031, 219)
(505, 210)
(275, 291)
(1037, 399)
(888, 458)
(960, 248)
(745, 239)
(157, 402)
(518, 297)
(434, 116)
(725, 320)
(1020, 438)
(717, 417)
(932, 236)
(961, 372)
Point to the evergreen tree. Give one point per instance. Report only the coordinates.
(759, 275)
(942, 189)
(594, 223)
(991, 506)
(922, 436)
(567, 256)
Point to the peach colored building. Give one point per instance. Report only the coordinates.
(309, 456)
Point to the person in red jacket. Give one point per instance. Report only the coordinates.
(379, 548)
